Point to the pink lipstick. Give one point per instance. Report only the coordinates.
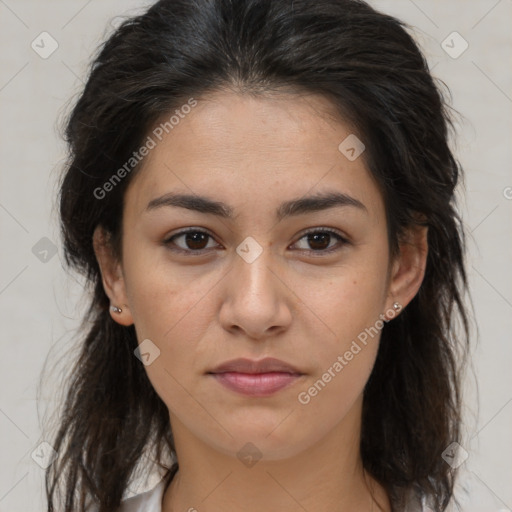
(256, 378)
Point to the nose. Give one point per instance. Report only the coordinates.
(256, 300)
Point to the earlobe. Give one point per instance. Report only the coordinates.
(409, 266)
(112, 277)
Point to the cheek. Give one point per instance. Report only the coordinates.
(170, 309)
(330, 397)
(350, 307)
(164, 297)
(344, 353)
(348, 302)
(173, 312)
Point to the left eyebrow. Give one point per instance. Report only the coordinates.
(298, 206)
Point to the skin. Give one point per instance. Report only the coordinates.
(253, 153)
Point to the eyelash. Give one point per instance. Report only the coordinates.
(198, 252)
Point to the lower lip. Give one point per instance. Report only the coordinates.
(256, 384)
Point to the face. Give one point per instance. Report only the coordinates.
(269, 278)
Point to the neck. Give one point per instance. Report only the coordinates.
(328, 476)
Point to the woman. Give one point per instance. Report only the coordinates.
(261, 195)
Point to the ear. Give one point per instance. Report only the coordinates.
(408, 268)
(111, 276)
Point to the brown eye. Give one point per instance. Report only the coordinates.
(193, 240)
(320, 240)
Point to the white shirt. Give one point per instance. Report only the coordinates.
(149, 501)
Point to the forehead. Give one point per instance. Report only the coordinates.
(251, 150)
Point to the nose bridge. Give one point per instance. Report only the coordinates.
(253, 268)
(254, 300)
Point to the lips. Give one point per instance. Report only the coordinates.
(267, 365)
(256, 378)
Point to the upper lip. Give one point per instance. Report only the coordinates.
(267, 365)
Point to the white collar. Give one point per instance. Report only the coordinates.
(149, 501)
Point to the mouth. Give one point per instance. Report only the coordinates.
(256, 378)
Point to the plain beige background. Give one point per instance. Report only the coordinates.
(40, 304)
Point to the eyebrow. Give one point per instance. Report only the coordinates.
(302, 205)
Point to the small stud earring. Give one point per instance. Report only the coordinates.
(397, 306)
(115, 309)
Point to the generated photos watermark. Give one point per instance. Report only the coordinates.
(150, 143)
(304, 397)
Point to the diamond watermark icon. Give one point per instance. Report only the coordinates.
(44, 455)
(44, 250)
(454, 45)
(249, 454)
(454, 455)
(147, 352)
(249, 249)
(44, 45)
(351, 147)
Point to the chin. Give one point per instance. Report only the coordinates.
(264, 442)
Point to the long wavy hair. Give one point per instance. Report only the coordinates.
(368, 65)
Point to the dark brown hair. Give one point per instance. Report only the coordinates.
(370, 68)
